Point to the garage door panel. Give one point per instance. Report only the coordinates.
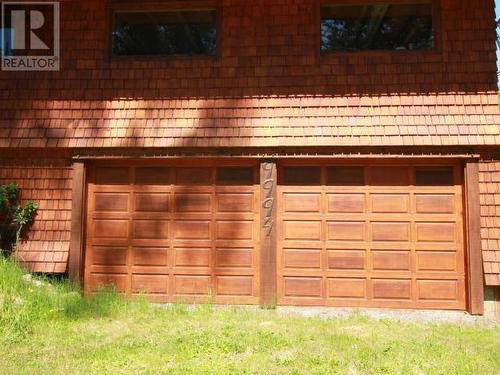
(107, 228)
(350, 288)
(152, 202)
(446, 261)
(303, 203)
(108, 255)
(390, 203)
(174, 233)
(192, 285)
(235, 203)
(346, 231)
(390, 231)
(346, 259)
(150, 229)
(189, 257)
(147, 256)
(302, 287)
(436, 232)
(184, 202)
(391, 289)
(346, 203)
(150, 284)
(435, 203)
(234, 286)
(191, 230)
(391, 260)
(302, 230)
(234, 230)
(374, 236)
(102, 280)
(438, 290)
(239, 258)
(302, 258)
(111, 202)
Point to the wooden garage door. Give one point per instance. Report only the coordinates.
(174, 233)
(376, 236)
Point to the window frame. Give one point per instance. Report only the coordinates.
(131, 6)
(436, 19)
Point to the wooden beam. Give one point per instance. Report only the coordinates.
(75, 263)
(474, 251)
(268, 237)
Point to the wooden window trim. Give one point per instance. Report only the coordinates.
(436, 16)
(138, 6)
(475, 277)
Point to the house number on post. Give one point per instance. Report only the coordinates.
(268, 186)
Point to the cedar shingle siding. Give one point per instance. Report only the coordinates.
(45, 178)
(490, 220)
(268, 86)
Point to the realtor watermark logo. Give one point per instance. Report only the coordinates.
(30, 36)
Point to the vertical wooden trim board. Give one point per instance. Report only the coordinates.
(268, 238)
(475, 261)
(75, 263)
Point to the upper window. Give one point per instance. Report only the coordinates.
(381, 26)
(183, 32)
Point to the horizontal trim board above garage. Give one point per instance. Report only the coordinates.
(315, 152)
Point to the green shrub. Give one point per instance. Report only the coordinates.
(15, 220)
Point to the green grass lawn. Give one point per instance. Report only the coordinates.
(52, 330)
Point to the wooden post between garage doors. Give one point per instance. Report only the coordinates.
(268, 243)
(474, 254)
(75, 261)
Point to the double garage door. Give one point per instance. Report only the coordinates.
(347, 234)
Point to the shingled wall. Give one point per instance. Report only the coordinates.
(44, 177)
(490, 220)
(268, 86)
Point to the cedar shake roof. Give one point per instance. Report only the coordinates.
(399, 120)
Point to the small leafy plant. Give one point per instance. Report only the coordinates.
(15, 219)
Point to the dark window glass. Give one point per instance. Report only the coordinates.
(235, 176)
(112, 175)
(377, 27)
(190, 32)
(302, 176)
(345, 176)
(193, 176)
(152, 176)
(434, 176)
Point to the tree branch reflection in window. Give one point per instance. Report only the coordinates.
(377, 27)
(186, 32)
